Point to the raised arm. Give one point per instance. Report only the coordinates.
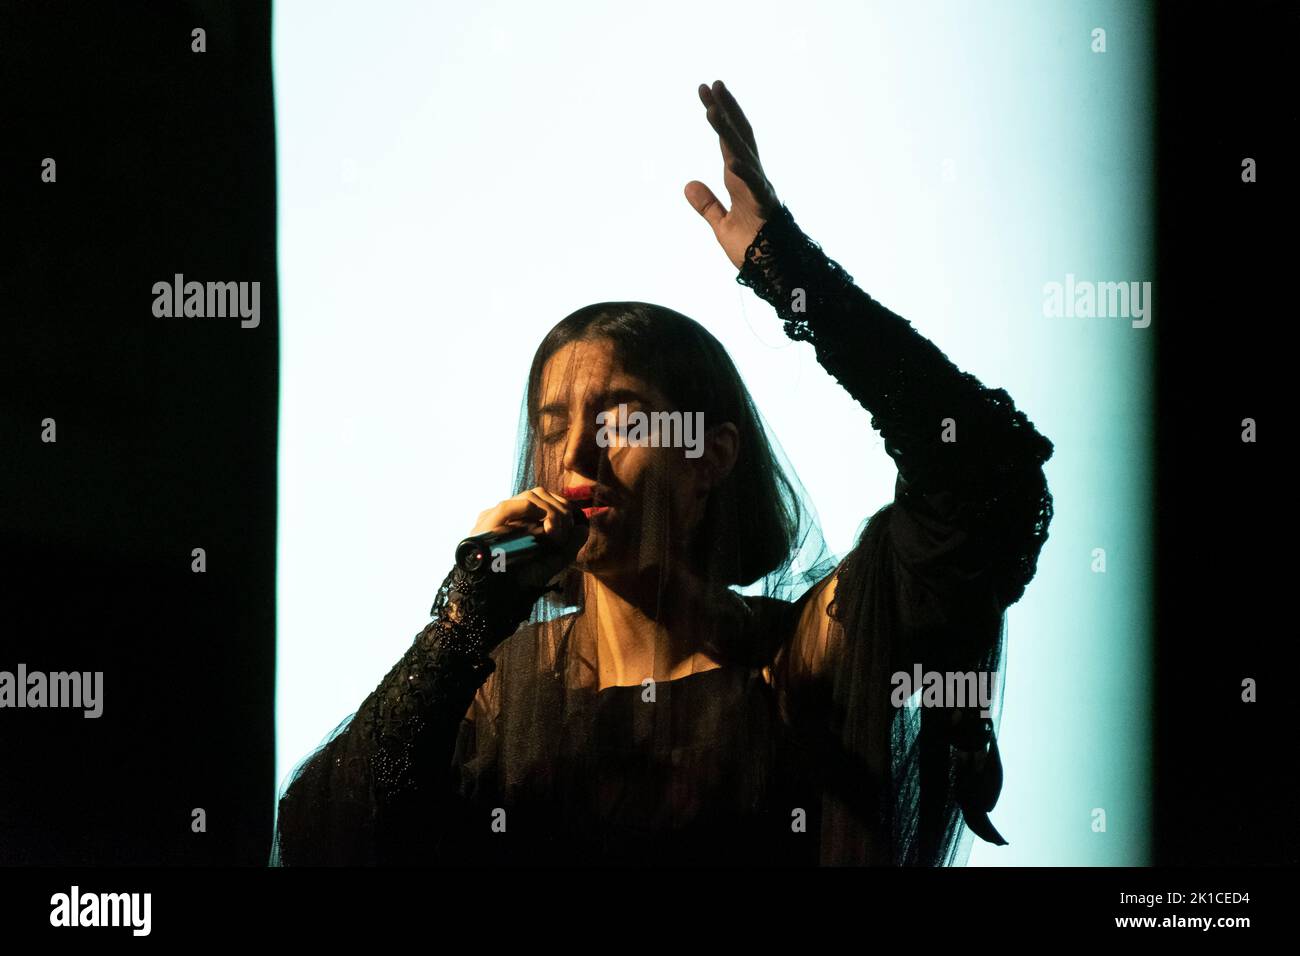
(928, 582)
(971, 505)
(933, 572)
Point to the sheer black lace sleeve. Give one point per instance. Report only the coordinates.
(965, 454)
(375, 792)
(931, 576)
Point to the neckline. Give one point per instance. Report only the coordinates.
(672, 681)
(597, 692)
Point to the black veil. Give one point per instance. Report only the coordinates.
(708, 683)
(881, 775)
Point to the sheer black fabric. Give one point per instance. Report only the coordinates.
(498, 738)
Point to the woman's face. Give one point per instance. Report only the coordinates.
(630, 480)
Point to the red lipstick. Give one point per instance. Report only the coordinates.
(584, 496)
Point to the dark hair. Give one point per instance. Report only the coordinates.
(752, 518)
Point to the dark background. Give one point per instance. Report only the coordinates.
(167, 432)
(1224, 775)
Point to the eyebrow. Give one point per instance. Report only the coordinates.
(610, 397)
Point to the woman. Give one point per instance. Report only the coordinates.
(685, 676)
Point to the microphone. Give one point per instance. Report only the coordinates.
(476, 554)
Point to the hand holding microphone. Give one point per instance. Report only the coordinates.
(532, 536)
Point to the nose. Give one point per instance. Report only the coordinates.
(582, 453)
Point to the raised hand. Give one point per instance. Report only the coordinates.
(753, 201)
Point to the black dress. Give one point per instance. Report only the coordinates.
(729, 765)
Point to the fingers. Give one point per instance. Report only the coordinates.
(729, 123)
(557, 520)
(735, 114)
(739, 156)
(728, 139)
(561, 526)
(522, 509)
(705, 203)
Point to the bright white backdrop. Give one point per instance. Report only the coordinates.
(454, 178)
